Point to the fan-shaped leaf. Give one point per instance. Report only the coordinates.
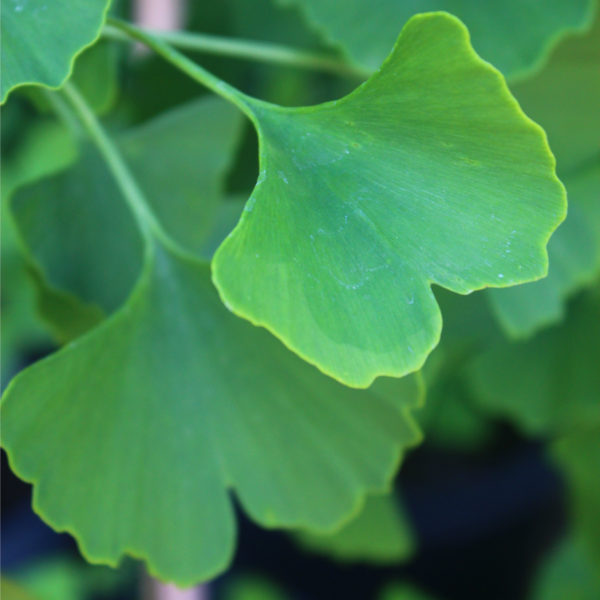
(427, 173)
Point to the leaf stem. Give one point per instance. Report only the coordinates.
(190, 68)
(63, 112)
(247, 50)
(109, 151)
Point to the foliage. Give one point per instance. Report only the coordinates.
(212, 339)
(380, 534)
(367, 35)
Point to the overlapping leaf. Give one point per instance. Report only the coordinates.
(135, 434)
(511, 34)
(548, 384)
(380, 534)
(564, 97)
(427, 173)
(41, 39)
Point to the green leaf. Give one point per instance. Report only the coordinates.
(427, 173)
(172, 404)
(10, 590)
(564, 97)
(568, 572)
(45, 213)
(512, 34)
(172, 401)
(40, 40)
(381, 534)
(548, 384)
(43, 148)
(578, 457)
(449, 418)
(64, 578)
(95, 74)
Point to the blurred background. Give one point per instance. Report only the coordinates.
(502, 499)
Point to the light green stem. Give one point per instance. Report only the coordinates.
(190, 68)
(248, 50)
(109, 151)
(63, 112)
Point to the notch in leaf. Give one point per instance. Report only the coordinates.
(40, 40)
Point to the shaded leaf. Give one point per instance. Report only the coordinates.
(380, 534)
(367, 33)
(548, 384)
(449, 419)
(164, 154)
(360, 203)
(40, 40)
(95, 74)
(63, 578)
(564, 97)
(44, 148)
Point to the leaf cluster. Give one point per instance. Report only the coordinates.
(268, 340)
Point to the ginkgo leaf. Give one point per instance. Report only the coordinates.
(427, 173)
(367, 32)
(173, 404)
(550, 383)
(172, 401)
(40, 40)
(380, 534)
(564, 97)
